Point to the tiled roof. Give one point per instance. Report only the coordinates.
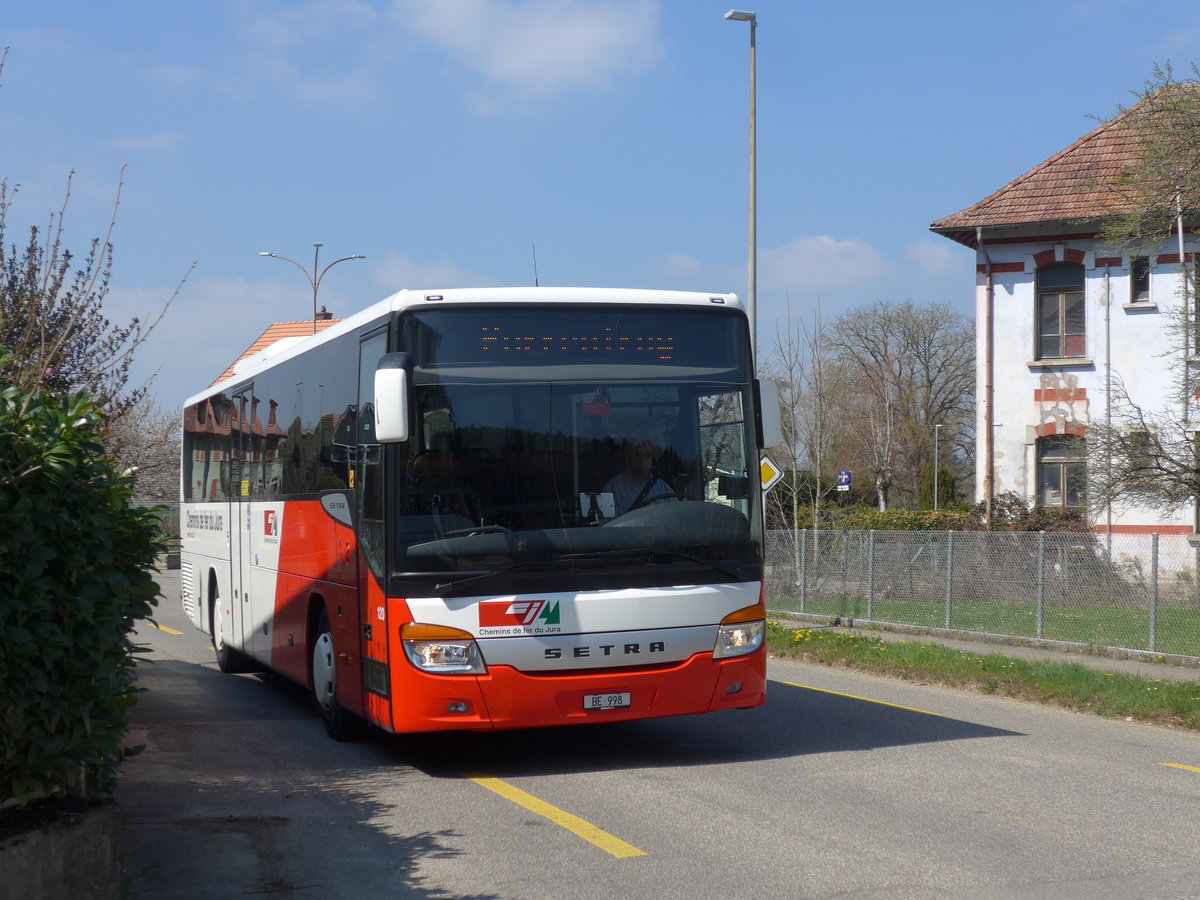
(276, 332)
(1075, 184)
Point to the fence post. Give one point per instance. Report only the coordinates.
(803, 567)
(871, 574)
(1041, 584)
(1154, 592)
(949, 576)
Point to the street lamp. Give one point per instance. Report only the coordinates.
(314, 280)
(937, 430)
(738, 15)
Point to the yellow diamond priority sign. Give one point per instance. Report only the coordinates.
(769, 473)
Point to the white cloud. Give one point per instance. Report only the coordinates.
(937, 257)
(676, 265)
(285, 25)
(539, 47)
(294, 45)
(820, 262)
(396, 271)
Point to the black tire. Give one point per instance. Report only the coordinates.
(340, 724)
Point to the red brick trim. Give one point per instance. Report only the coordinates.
(1049, 429)
(1109, 261)
(1049, 258)
(1001, 267)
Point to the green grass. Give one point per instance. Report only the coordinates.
(1178, 630)
(1068, 685)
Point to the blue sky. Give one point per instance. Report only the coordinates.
(445, 139)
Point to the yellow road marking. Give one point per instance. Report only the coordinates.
(574, 824)
(806, 687)
(1178, 766)
(163, 628)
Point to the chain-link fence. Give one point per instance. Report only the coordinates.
(1123, 591)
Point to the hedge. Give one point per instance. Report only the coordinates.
(75, 574)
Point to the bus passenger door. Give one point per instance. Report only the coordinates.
(369, 489)
(241, 463)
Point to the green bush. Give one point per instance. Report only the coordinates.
(75, 574)
(865, 518)
(1009, 513)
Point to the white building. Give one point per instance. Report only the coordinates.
(1057, 318)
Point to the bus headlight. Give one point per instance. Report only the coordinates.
(741, 632)
(441, 650)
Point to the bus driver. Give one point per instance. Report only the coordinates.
(639, 484)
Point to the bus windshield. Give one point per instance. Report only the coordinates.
(577, 437)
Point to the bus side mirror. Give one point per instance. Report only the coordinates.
(393, 376)
(768, 415)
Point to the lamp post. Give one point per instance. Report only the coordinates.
(937, 430)
(739, 15)
(314, 280)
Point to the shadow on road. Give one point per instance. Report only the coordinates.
(238, 792)
(795, 722)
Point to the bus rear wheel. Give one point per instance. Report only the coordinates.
(339, 724)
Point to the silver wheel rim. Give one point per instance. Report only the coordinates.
(324, 677)
(218, 627)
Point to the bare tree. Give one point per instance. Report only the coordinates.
(54, 334)
(904, 369)
(1138, 455)
(1160, 189)
(54, 328)
(145, 442)
(800, 365)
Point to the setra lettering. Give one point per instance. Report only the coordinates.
(584, 651)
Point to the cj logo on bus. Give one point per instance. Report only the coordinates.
(500, 617)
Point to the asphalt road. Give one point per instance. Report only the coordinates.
(827, 791)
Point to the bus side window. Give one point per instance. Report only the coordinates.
(368, 455)
(723, 457)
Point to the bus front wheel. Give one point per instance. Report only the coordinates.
(228, 659)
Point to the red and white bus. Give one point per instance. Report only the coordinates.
(411, 512)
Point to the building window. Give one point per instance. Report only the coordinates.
(1062, 471)
(1139, 279)
(1060, 312)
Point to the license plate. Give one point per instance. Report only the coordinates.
(617, 700)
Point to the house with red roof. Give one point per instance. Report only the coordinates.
(1059, 317)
